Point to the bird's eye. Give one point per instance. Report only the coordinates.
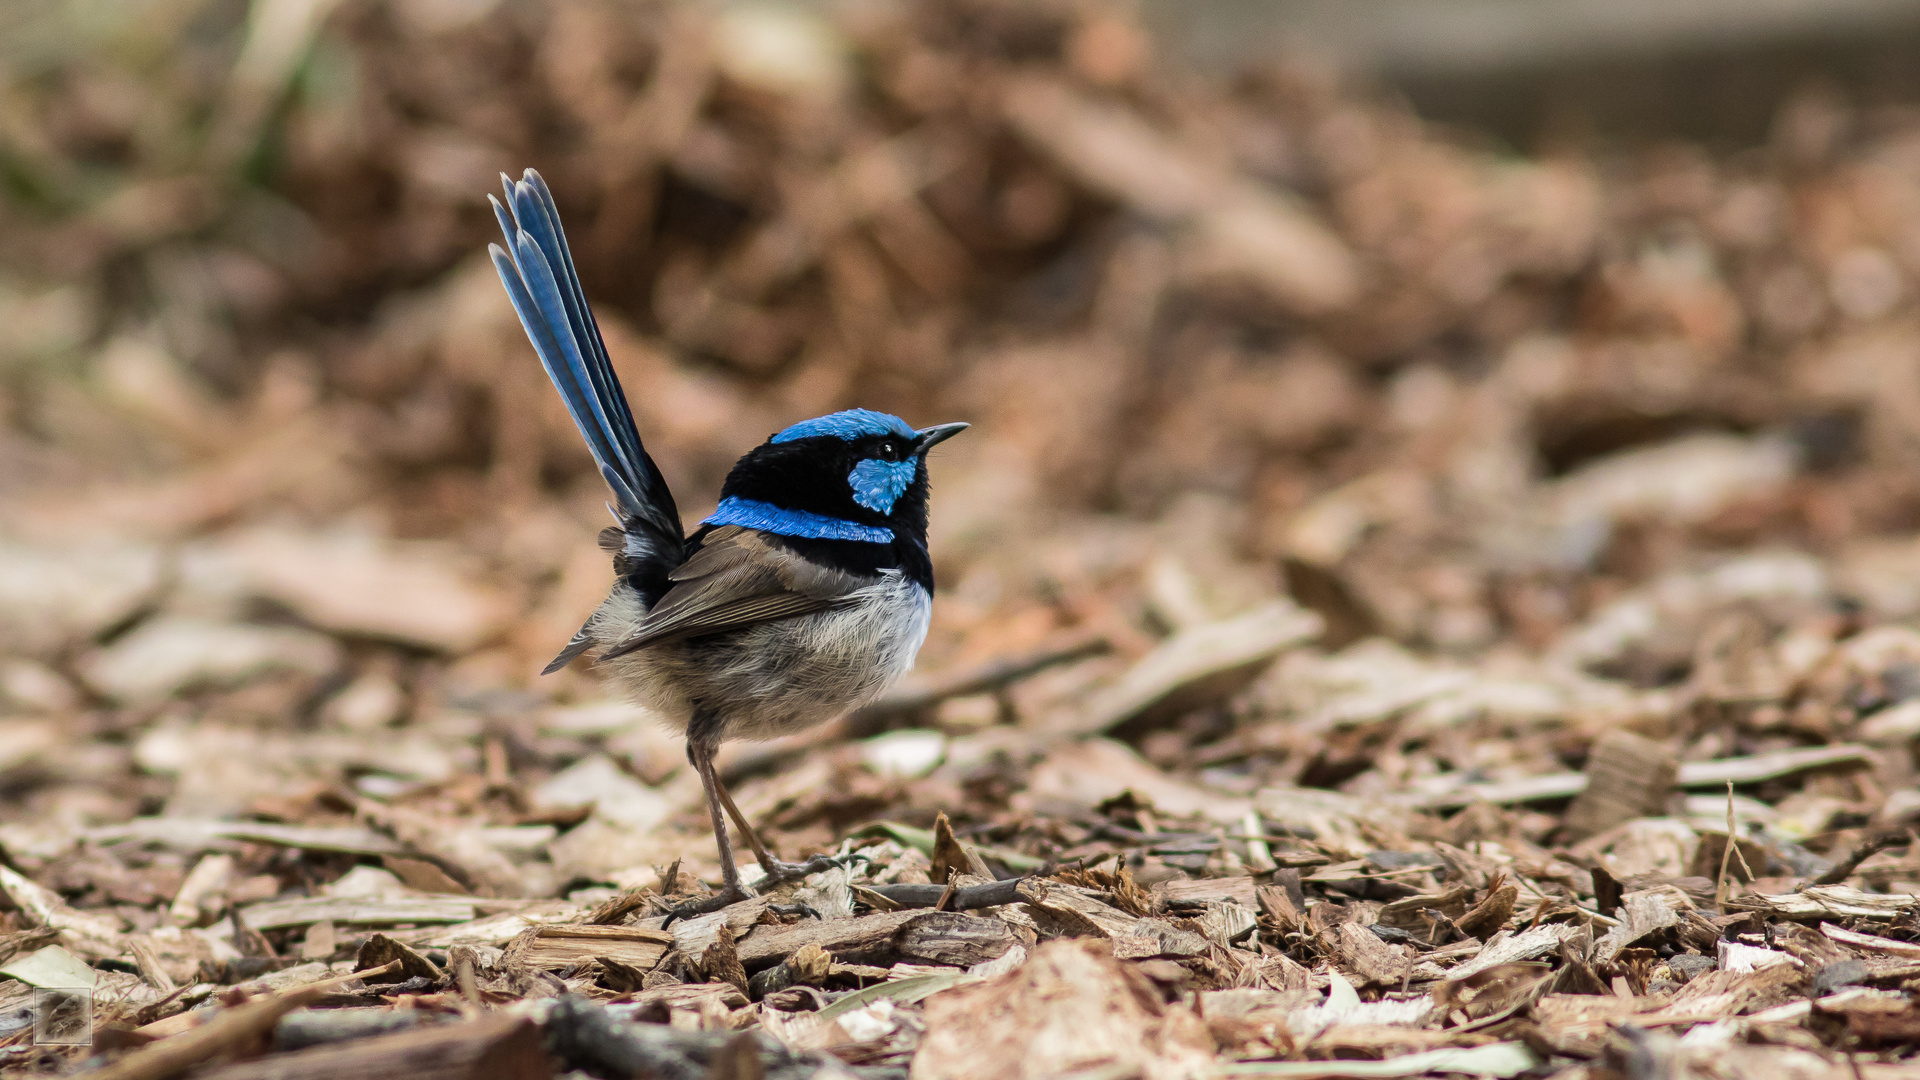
(890, 450)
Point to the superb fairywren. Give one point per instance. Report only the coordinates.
(804, 594)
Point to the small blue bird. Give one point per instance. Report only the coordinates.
(803, 595)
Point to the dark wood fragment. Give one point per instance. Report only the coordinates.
(966, 898)
(380, 950)
(1288, 878)
(1576, 976)
(951, 857)
(586, 1037)
(721, 961)
(1490, 914)
(495, 1048)
(1606, 891)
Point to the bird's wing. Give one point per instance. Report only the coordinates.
(738, 579)
(537, 269)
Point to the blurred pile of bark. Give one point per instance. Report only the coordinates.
(1344, 497)
(1377, 340)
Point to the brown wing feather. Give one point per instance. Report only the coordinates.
(736, 579)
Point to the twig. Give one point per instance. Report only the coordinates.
(1726, 856)
(232, 1028)
(1259, 855)
(965, 898)
(1741, 857)
(991, 675)
(1862, 851)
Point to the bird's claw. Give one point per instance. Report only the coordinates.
(793, 909)
(713, 903)
(779, 873)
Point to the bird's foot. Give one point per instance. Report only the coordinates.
(688, 910)
(779, 873)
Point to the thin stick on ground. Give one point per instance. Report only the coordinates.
(1726, 856)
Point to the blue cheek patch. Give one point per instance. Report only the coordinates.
(877, 484)
(766, 517)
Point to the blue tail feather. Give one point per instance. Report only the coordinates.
(537, 269)
(534, 204)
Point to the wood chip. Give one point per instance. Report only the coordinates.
(1240, 890)
(190, 834)
(951, 857)
(1070, 1009)
(1627, 777)
(1079, 913)
(1491, 913)
(1870, 942)
(951, 938)
(863, 939)
(552, 948)
(86, 934)
(1691, 774)
(1372, 959)
(275, 914)
(1506, 948)
(1642, 913)
(381, 952)
(1839, 902)
(1198, 666)
(722, 961)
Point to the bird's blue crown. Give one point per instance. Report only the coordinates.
(847, 424)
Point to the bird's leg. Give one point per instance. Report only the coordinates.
(760, 852)
(731, 890)
(776, 872)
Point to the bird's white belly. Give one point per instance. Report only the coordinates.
(783, 676)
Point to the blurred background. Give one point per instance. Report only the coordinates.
(1557, 361)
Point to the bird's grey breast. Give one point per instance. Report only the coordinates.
(786, 675)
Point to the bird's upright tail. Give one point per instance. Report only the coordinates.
(537, 269)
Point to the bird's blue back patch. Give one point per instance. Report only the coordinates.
(754, 514)
(848, 424)
(877, 484)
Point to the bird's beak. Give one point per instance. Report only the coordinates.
(925, 438)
